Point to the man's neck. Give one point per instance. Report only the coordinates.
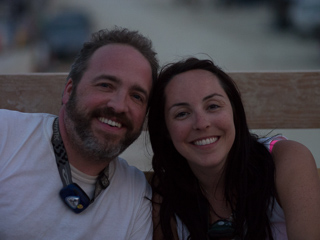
(85, 166)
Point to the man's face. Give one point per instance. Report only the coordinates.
(106, 111)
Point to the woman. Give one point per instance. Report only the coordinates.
(213, 179)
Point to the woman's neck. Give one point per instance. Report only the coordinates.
(212, 186)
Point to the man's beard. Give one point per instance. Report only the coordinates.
(78, 127)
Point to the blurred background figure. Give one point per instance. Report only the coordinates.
(281, 13)
(238, 2)
(18, 21)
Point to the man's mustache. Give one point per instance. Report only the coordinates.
(110, 113)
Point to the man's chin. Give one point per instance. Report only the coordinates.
(111, 143)
(116, 139)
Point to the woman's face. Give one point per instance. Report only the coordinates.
(199, 119)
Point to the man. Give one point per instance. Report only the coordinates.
(60, 177)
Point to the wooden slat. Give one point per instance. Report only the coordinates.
(280, 100)
(32, 92)
(272, 100)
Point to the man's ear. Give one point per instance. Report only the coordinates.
(67, 91)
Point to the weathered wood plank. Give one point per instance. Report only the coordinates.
(280, 100)
(32, 92)
(272, 100)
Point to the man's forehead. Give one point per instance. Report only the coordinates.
(123, 62)
(117, 50)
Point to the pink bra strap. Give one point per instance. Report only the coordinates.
(272, 144)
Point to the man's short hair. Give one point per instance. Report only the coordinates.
(105, 37)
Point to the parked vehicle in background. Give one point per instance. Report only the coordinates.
(305, 17)
(65, 33)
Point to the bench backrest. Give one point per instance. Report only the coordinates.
(272, 100)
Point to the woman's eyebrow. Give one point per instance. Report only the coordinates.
(211, 96)
(187, 104)
(178, 105)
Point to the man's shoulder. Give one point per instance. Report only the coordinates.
(131, 177)
(20, 121)
(12, 114)
(122, 165)
(128, 172)
(7, 114)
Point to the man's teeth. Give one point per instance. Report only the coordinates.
(205, 141)
(110, 122)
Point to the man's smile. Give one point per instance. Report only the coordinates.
(110, 122)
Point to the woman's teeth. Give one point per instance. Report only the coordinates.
(205, 141)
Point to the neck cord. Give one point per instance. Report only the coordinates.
(64, 166)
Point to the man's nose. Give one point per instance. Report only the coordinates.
(119, 102)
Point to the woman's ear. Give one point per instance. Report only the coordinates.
(67, 91)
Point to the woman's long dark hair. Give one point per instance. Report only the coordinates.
(249, 170)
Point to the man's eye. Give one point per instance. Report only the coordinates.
(106, 85)
(138, 97)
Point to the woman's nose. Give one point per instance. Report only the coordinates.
(201, 121)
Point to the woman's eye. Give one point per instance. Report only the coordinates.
(213, 107)
(181, 115)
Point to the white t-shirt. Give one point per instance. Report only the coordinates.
(30, 205)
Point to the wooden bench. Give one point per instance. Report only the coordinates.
(273, 100)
